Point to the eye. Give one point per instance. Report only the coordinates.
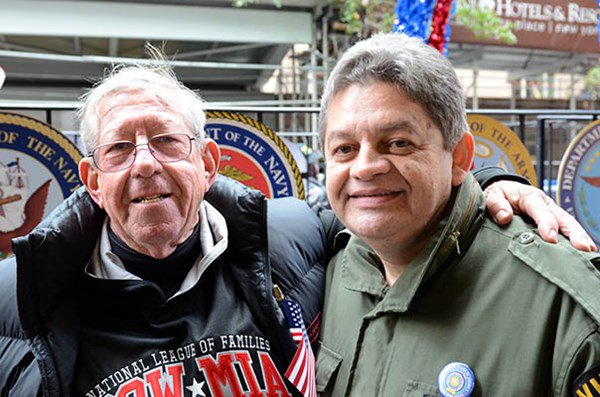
(119, 147)
(399, 145)
(342, 150)
(163, 139)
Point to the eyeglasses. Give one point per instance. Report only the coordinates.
(166, 148)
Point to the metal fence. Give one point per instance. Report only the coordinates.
(546, 133)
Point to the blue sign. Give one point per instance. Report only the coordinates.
(579, 180)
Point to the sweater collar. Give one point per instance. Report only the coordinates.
(104, 264)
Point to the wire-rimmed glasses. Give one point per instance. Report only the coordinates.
(119, 155)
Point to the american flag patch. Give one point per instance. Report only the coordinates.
(301, 371)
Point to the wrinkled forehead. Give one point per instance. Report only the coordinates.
(123, 108)
(131, 98)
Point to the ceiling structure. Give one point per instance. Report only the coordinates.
(519, 62)
(53, 50)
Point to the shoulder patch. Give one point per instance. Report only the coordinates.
(587, 384)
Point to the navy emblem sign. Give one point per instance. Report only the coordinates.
(579, 180)
(38, 170)
(254, 155)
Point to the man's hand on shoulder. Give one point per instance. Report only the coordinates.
(504, 197)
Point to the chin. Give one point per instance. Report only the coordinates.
(158, 233)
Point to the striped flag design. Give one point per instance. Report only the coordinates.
(301, 372)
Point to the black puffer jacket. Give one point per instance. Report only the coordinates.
(276, 241)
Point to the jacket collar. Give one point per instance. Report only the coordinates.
(51, 259)
(104, 264)
(362, 270)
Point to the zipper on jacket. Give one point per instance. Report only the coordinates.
(465, 217)
(455, 235)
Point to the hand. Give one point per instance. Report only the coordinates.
(504, 196)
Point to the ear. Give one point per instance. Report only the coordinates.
(211, 155)
(89, 176)
(462, 158)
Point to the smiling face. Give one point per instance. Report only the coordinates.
(388, 174)
(152, 207)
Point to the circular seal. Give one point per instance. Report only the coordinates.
(254, 155)
(497, 145)
(579, 180)
(456, 380)
(2, 77)
(38, 170)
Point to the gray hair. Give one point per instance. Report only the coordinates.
(156, 78)
(413, 67)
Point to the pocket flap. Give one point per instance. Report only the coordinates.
(328, 362)
(419, 389)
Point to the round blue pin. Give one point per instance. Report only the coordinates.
(456, 380)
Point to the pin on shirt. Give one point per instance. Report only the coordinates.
(456, 380)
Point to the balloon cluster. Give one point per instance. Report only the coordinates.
(427, 19)
(414, 17)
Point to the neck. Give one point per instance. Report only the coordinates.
(169, 272)
(396, 258)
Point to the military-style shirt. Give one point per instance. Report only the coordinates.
(522, 314)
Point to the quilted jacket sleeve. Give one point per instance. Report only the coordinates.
(19, 372)
(297, 254)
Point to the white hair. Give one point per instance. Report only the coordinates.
(156, 78)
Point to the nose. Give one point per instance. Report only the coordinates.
(368, 163)
(145, 164)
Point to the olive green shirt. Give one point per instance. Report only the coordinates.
(521, 313)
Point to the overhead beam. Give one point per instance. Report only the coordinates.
(220, 50)
(564, 66)
(153, 21)
(19, 47)
(466, 58)
(129, 61)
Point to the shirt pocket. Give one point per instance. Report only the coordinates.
(419, 389)
(328, 363)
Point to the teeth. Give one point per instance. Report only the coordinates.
(151, 199)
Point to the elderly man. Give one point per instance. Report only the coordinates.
(138, 286)
(428, 296)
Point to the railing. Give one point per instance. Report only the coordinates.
(545, 132)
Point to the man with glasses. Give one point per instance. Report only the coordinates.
(144, 283)
(138, 286)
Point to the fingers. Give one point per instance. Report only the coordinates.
(573, 230)
(498, 206)
(539, 207)
(524, 199)
(549, 217)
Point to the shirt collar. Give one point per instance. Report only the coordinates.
(362, 269)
